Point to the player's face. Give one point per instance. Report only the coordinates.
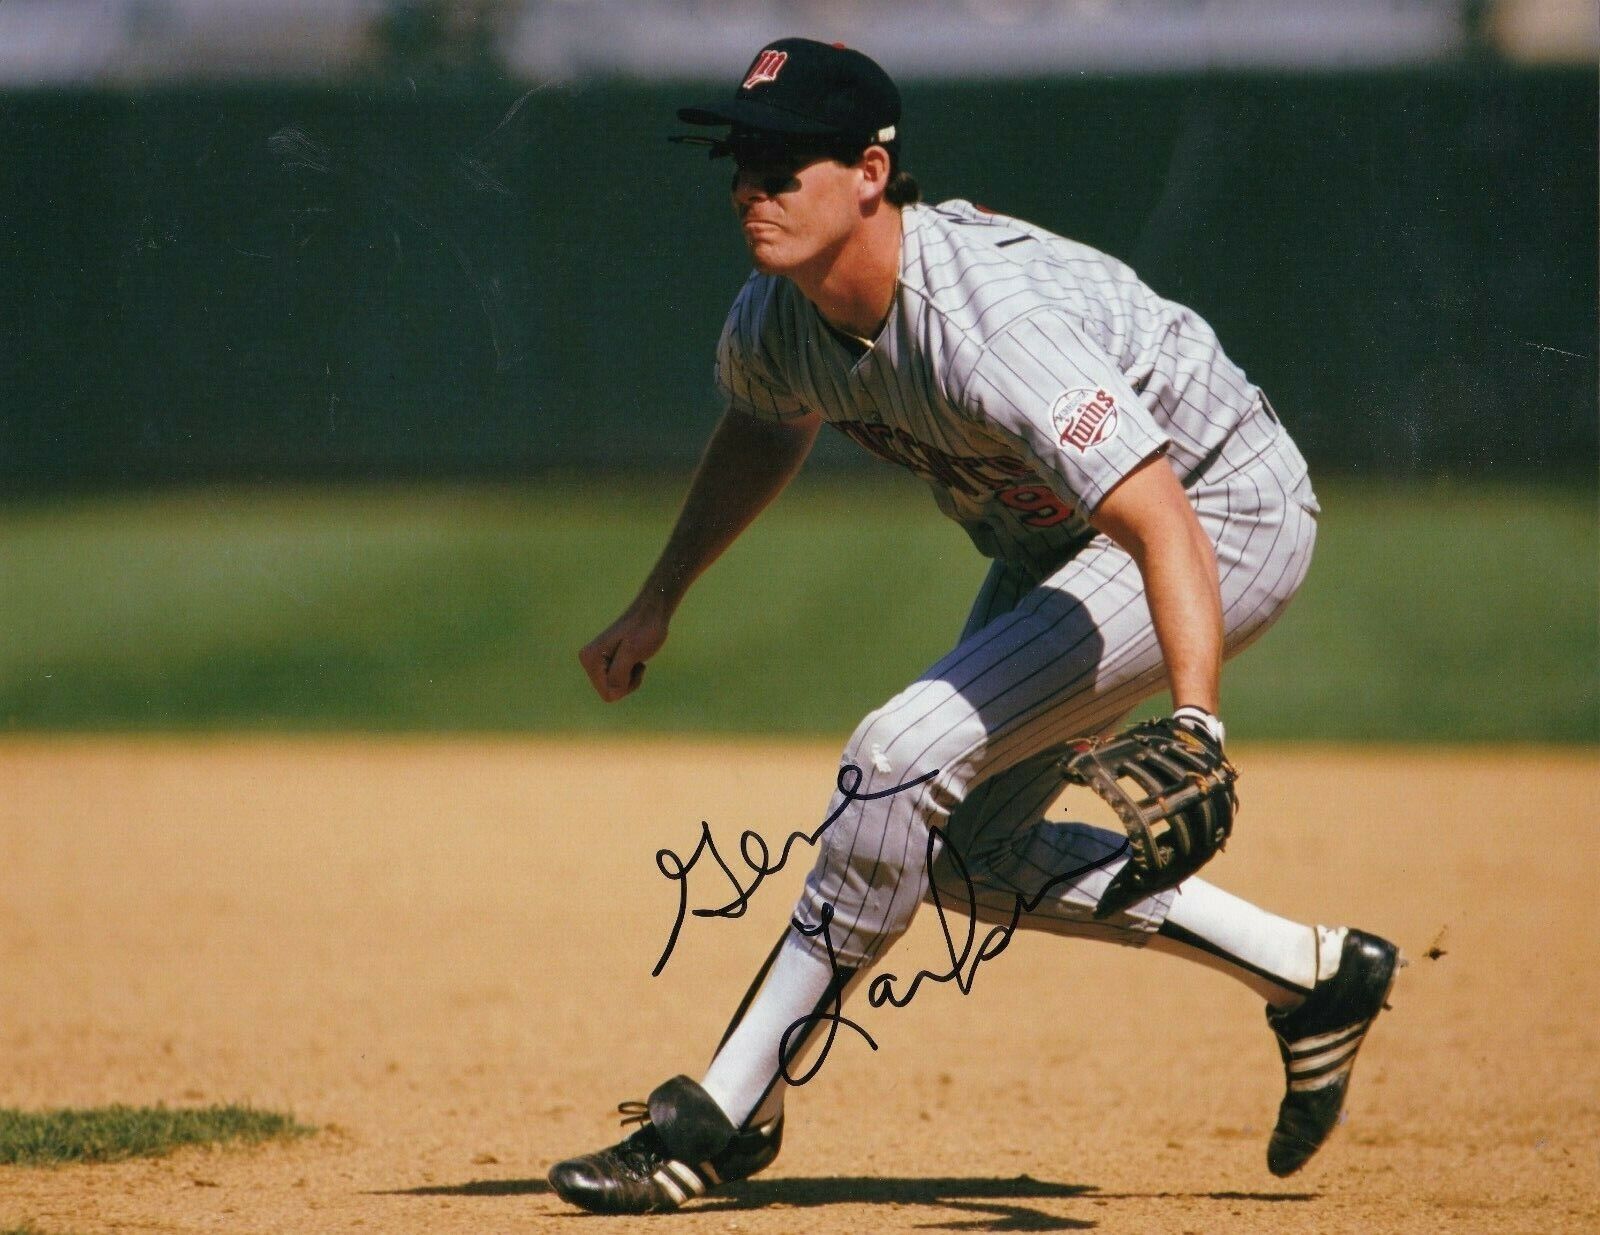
(793, 206)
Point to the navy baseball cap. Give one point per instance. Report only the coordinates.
(800, 88)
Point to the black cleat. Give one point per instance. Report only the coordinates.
(1318, 1042)
(685, 1147)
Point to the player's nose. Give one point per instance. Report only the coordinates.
(747, 188)
(751, 184)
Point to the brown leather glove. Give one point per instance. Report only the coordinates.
(1179, 811)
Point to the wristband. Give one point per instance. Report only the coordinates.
(1199, 718)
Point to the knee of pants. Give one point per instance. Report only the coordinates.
(916, 756)
(928, 729)
(871, 869)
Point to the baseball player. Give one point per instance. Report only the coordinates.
(1146, 516)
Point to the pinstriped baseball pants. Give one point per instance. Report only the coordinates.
(1041, 662)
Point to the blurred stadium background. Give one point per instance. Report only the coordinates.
(259, 256)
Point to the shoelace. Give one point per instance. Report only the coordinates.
(642, 1152)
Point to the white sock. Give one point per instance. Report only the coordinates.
(745, 1077)
(1278, 959)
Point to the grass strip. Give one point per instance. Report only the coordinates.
(27, 1228)
(1433, 612)
(115, 1133)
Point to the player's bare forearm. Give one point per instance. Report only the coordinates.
(1186, 609)
(746, 464)
(1150, 516)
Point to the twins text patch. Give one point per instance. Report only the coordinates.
(1084, 418)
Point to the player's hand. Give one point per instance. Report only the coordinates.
(615, 658)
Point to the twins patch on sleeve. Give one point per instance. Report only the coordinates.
(1084, 417)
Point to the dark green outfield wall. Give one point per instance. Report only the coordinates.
(380, 283)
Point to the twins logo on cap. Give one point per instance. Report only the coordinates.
(766, 68)
(1084, 418)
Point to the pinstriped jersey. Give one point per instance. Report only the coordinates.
(1021, 374)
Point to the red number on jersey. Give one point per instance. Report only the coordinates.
(1044, 508)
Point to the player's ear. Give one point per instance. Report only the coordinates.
(874, 168)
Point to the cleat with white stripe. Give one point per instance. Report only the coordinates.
(1318, 1042)
(685, 1147)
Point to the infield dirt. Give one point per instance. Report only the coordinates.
(439, 953)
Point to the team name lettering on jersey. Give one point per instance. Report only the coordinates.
(1084, 418)
(971, 475)
(766, 68)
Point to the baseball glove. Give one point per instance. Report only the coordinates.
(1186, 810)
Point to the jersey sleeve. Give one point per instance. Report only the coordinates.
(745, 370)
(1066, 404)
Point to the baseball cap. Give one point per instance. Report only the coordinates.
(800, 88)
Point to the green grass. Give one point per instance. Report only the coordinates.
(26, 1229)
(1437, 613)
(114, 1133)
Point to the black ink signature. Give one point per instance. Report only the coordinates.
(757, 856)
(832, 1010)
(964, 963)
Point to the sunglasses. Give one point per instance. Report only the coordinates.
(771, 175)
(772, 164)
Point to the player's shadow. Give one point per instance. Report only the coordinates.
(995, 1204)
(992, 1202)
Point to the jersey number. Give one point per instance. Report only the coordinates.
(1044, 508)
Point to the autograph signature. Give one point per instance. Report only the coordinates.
(757, 856)
(964, 962)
